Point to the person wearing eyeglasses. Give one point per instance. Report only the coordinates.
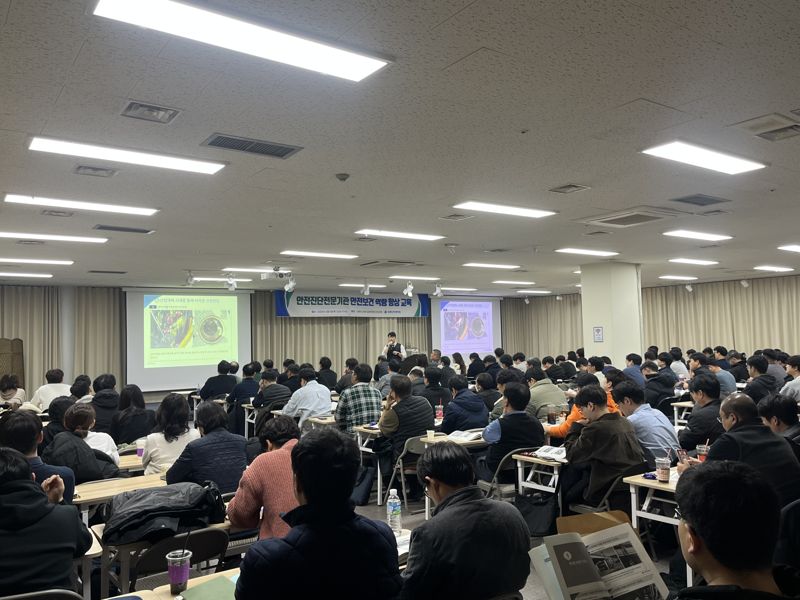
(728, 530)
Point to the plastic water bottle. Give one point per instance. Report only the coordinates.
(394, 514)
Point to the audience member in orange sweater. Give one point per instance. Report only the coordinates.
(583, 379)
(268, 483)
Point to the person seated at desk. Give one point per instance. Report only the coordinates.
(266, 490)
(792, 388)
(417, 377)
(761, 383)
(748, 440)
(475, 367)
(659, 386)
(293, 381)
(134, 420)
(552, 369)
(171, 435)
(271, 396)
(22, 431)
(728, 529)
(727, 384)
(54, 388)
(633, 369)
(436, 394)
(58, 407)
(779, 413)
(327, 376)
(241, 393)
(10, 391)
(486, 389)
(514, 429)
(447, 371)
(600, 447)
(325, 531)
(472, 547)
(360, 403)
(543, 392)
(219, 455)
(504, 377)
(81, 389)
(41, 538)
(703, 423)
(653, 430)
(466, 410)
(105, 402)
(490, 366)
(70, 448)
(220, 385)
(310, 400)
(582, 380)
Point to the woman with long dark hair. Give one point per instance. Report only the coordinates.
(171, 435)
(133, 421)
(461, 367)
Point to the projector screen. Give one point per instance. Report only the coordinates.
(176, 338)
(466, 326)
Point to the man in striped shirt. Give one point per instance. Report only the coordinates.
(359, 404)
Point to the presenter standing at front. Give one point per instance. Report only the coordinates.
(393, 349)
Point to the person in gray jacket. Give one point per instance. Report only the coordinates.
(472, 547)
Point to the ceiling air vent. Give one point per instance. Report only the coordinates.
(366, 238)
(57, 213)
(457, 217)
(630, 218)
(100, 272)
(31, 242)
(699, 200)
(122, 229)
(569, 188)
(389, 264)
(773, 127)
(251, 146)
(150, 112)
(596, 233)
(94, 171)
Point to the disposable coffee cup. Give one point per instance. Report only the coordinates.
(140, 447)
(702, 452)
(662, 470)
(178, 564)
(431, 434)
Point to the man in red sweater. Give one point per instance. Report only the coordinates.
(267, 482)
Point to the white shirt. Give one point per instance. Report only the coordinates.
(159, 454)
(600, 378)
(47, 393)
(311, 400)
(104, 443)
(402, 352)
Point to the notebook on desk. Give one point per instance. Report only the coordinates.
(219, 588)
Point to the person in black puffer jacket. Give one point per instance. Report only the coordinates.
(105, 401)
(659, 387)
(58, 407)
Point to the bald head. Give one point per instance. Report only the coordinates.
(737, 408)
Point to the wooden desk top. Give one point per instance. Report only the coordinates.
(537, 460)
(130, 462)
(684, 404)
(364, 430)
(162, 592)
(144, 595)
(640, 481)
(479, 443)
(96, 492)
(97, 547)
(326, 420)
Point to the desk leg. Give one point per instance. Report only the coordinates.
(105, 565)
(380, 481)
(634, 507)
(556, 491)
(675, 415)
(86, 576)
(427, 507)
(85, 514)
(520, 476)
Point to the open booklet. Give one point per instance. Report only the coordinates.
(467, 436)
(558, 454)
(611, 563)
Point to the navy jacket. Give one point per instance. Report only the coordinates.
(307, 562)
(43, 471)
(466, 411)
(219, 456)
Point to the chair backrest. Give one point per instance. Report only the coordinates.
(502, 465)
(45, 595)
(787, 551)
(205, 544)
(416, 445)
(616, 485)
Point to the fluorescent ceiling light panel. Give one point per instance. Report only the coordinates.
(490, 266)
(694, 261)
(78, 205)
(697, 235)
(578, 285)
(509, 282)
(503, 209)
(458, 289)
(578, 272)
(361, 285)
(773, 269)
(678, 277)
(13, 235)
(790, 248)
(317, 254)
(35, 261)
(29, 275)
(586, 252)
(534, 292)
(399, 234)
(259, 270)
(133, 157)
(414, 277)
(702, 157)
(216, 29)
(219, 279)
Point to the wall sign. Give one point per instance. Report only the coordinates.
(326, 304)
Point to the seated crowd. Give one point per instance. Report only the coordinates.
(293, 483)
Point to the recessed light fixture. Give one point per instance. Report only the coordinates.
(587, 252)
(183, 20)
(361, 285)
(773, 269)
(534, 292)
(399, 234)
(221, 279)
(509, 282)
(414, 277)
(133, 157)
(317, 254)
(578, 285)
(702, 157)
(259, 270)
(51, 238)
(29, 275)
(35, 261)
(678, 277)
(458, 289)
(78, 205)
(503, 209)
(694, 261)
(578, 272)
(790, 248)
(490, 266)
(697, 235)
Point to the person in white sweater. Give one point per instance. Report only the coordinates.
(104, 443)
(172, 434)
(54, 388)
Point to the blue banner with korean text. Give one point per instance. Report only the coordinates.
(325, 304)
